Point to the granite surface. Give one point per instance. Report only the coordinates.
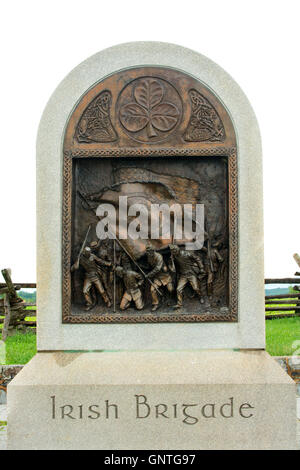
(128, 400)
(52, 334)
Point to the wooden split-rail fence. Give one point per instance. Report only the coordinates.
(15, 310)
(283, 305)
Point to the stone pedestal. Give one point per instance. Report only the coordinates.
(152, 400)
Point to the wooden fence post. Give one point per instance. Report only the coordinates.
(7, 317)
(10, 296)
(297, 259)
(6, 273)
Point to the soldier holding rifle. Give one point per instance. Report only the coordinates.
(159, 275)
(189, 267)
(90, 263)
(132, 281)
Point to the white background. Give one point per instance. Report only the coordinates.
(257, 42)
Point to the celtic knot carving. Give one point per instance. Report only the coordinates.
(95, 124)
(205, 123)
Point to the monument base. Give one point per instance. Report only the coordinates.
(152, 400)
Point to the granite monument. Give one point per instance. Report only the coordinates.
(150, 265)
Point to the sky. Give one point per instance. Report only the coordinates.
(256, 42)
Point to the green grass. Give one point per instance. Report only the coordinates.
(280, 336)
(20, 348)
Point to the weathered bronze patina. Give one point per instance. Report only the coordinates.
(154, 135)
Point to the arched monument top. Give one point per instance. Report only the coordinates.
(243, 149)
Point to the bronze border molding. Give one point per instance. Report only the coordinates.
(231, 154)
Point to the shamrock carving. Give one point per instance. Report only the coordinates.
(149, 110)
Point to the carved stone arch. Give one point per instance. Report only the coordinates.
(54, 203)
(155, 106)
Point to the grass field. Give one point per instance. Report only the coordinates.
(20, 348)
(281, 335)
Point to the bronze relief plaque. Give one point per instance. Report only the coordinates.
(148, 151)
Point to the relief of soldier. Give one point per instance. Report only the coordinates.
(213, 262)
(188, 266)
(92, 265)
(159, 275)
(133, 282)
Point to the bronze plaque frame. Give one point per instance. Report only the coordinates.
(180, 143)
